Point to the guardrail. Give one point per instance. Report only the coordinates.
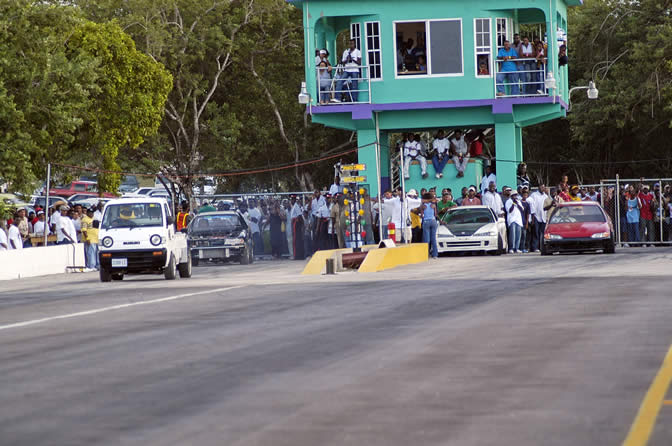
(341, 84)
(526, 81)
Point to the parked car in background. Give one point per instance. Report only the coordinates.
(88, 202)
(79, 187)
(471, 229)
(578, 226)
(40, 200)
(129, 183)
(205, 186)
(220, 236)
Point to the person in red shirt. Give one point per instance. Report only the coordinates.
(476, 148)
(646, 226)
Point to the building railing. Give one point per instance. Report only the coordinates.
(526, 81)
(343, 85)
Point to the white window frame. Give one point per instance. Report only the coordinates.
(379, 50)
(507, 33)
(480, 51)
(356, 33)
(428, 54)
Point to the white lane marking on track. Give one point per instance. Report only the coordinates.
(114, 307)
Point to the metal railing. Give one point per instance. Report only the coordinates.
(631, 228)
(526, 81)
(341, 84)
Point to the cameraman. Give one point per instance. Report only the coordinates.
(352, 59)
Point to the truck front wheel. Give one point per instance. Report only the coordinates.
(170, 273)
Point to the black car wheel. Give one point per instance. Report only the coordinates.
(105, 275)
(195, 260)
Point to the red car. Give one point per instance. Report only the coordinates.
(79, 187)
(578, 226)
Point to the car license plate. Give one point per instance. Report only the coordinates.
(119, 263)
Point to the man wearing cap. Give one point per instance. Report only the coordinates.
(471, 199)
(514, 213)
(40, 224)
(461, 152)
(492, 200)
(445, 203)
(646, 225)
(538, 202)
(57, 221)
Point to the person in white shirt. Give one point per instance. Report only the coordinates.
(57, 222)
(413, 152)
(336, 188)
(14, 235)
(514, 214)
(392, 212)
(488, 178)
(98, 214)
(255, 220)
(539, 216)
(441, 153)
(40, 224)
(296, 215)
(492, 200)
(4, 241)
(527, 52)
(413, 202)
(352, 59)
(461, 152)
(68, 229)
(323, 218)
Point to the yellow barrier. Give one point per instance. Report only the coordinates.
(317, 263)
(387, 258)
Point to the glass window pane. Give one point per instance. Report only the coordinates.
(446, 59)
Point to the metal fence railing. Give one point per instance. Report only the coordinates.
(342, 84)
(639, 218)
(527, 80)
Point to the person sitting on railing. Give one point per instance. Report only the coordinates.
(460, 151)
(352, 58)
(324, 72)
(441, 153)
(413, 152)
(541, 63)
(527, 51)
(508, 70)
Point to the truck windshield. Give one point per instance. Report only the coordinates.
(132, 215)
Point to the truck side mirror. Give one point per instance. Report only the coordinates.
(184, 230)
(169, 220)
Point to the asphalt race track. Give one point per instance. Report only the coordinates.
(517, 350)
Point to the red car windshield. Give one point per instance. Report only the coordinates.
(578, 214)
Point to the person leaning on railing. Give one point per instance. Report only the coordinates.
(324, 72)
(508, 71)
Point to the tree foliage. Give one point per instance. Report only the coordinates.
(71, 91)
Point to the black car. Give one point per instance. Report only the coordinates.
(220, 236)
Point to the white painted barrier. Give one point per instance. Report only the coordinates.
(40, 261)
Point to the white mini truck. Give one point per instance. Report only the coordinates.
(138, 236)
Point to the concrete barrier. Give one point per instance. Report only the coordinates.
(41, 261)
(388, 258)
(318, 262)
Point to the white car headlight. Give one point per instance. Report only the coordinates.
(156, 240)
(108, 242)
(601, 235)
(484, 234)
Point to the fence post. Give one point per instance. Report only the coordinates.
(661, 214)
(617, 215)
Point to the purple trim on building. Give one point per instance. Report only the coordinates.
(499, 106)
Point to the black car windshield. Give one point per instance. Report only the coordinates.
(578, 214)
(216, 223)
(132, 215)
(468, 216)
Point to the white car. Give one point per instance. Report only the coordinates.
(205, 186)
(138, 236)
(471, 229)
